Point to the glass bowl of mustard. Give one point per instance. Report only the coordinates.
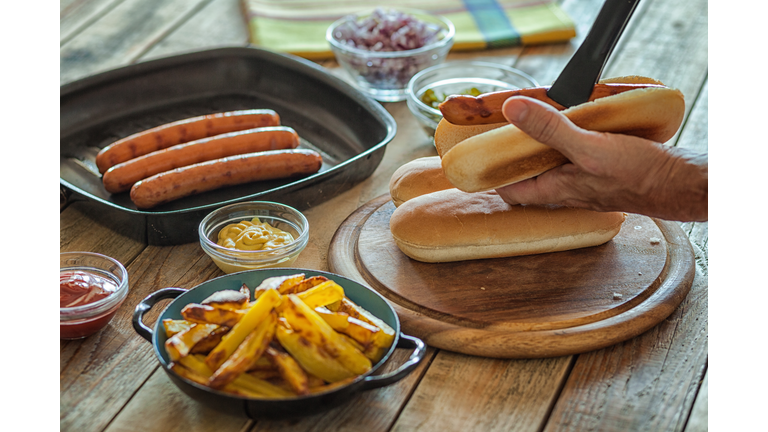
(254, 235)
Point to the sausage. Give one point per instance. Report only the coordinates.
(218, 173)
(122, 176)
(182, 131)
(486, 108)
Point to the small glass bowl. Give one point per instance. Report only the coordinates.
(82, 321)
(384, 75)
(277, 215)
(457, 77)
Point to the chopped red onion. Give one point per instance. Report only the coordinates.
(388, 31)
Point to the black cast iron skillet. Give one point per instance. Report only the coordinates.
(276, 408)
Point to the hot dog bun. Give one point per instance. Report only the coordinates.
(507, 155)
(452, 225)
(448, 134)
(417, 177)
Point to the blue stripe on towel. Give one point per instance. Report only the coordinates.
(493, 23)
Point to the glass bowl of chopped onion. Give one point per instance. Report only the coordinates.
(428, 88)
(253, 235)
(381, 50)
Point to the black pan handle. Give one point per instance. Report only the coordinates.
(147, 304)
(405, 341)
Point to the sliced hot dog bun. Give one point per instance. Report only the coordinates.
(417, 177)
(630, 79)
(452, 225)
(507, 155)
(448, 134)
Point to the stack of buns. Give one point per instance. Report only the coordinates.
(447, 207)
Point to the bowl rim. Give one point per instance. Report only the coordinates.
(221, 252)
(446, 40)
(97, 308)
(158, 326)
(463, 63)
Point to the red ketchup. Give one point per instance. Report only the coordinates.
(79, 288)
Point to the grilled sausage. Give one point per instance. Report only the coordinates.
(486, 108)
(214, 174)
(122, 176)
(182, 131)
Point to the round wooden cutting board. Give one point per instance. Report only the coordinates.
(533, 306)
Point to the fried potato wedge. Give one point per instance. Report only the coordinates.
(173, 326)
(228, 299)
(362, 332)
(303, 285)
(262, 363)
(306, 322)
(206, 344)
(252, 347)
(180, 344)
(382, 340)
(244, 384)
(311, 357)
(323, 294)
(200, 313)
(289, 370)
(256, 314)
(277, 283)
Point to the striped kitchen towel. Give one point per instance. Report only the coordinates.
(298, 26)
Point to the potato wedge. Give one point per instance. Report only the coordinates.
(382, 340)
(227, 299)
(246, 291)
(243, 385)
(261, 386)
(323, 294)
(173, 326)
(277, 283)
(311, 357)
(206, 344)
(303, 285)
(229, 343)
(289, 370)
(262, 363)
(305, 321)
(252, 347)
(180, 344)
(362, 332)
(200, 313)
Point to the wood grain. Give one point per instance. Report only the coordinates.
(522, 307)
(111, 381)
(76, 15)
(99, 374)
(217, 24)
(122, 36)
(464, 393)
(87, 227)
(382, 405)
(650, 382)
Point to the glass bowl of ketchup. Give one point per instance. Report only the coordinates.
(93, 286)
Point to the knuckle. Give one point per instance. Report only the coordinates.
(546, 126)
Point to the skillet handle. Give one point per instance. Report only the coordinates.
(405, 341)
(147, 304)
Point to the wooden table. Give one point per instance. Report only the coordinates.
(657, 381)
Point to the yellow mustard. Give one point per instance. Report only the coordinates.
(253, 235)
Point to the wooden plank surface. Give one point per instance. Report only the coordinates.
(111, 381)
(122, 35)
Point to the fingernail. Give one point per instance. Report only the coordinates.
(515, 111)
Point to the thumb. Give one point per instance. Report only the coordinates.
(543, 123)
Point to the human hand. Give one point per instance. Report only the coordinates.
(608, 172)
